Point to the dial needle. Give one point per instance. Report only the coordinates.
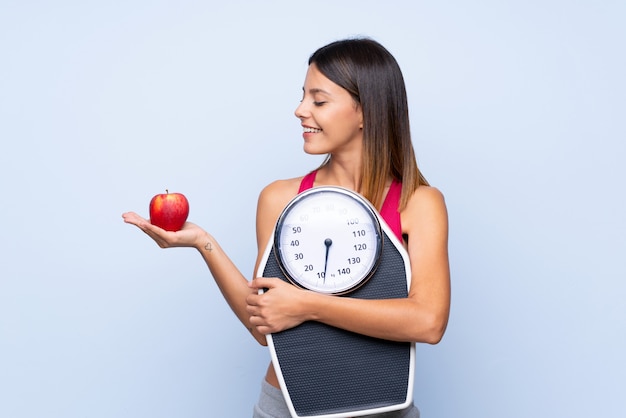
(327, 242)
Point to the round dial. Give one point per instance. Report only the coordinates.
(328, 239)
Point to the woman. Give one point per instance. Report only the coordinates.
(354, 110)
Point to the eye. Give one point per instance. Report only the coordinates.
(319, 103)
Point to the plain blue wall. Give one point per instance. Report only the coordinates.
(518, 116)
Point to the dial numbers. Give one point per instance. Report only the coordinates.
(328, 240)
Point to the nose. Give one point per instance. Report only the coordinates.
(301, 111)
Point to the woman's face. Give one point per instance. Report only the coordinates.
(331, 120)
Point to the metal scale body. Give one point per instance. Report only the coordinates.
(326, 372)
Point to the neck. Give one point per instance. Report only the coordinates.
(341, 172)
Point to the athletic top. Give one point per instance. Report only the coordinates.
(389, 211)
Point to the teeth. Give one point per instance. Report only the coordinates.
(312, 130)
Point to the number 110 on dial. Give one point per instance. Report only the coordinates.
(328, 239)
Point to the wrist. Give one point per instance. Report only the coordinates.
(205, 243)
(311, 303)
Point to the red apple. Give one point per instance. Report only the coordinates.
(169, 211)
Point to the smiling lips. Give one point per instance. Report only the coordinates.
(311, 130)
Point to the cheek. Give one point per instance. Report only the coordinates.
(351, 121)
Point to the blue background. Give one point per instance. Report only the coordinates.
(518, 113)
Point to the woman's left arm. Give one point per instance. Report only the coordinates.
(421, 317)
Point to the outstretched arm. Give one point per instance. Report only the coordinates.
(231, 282)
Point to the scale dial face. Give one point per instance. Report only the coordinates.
(329, 240)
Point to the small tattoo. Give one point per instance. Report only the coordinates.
(208, 246)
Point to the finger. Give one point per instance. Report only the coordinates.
(162, 237)
(260, 327)
(262, 282)
(252, 301)
(142, 223)
(263, 329)
(133, 218)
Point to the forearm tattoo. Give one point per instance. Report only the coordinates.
(208, 246)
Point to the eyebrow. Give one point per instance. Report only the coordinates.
(317, 90)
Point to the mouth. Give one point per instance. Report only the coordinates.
(308, 130)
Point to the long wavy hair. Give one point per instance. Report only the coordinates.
(373, 78)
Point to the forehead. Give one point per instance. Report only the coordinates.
(316, 82)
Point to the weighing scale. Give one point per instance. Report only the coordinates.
(331, 240)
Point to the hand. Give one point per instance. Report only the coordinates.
(190, 235)
(278, 308)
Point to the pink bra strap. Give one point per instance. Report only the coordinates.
(389, 210)
(307, 181)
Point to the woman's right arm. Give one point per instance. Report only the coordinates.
(231, 282)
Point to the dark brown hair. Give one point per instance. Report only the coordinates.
(374, 80)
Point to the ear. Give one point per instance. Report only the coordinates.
(360, 110)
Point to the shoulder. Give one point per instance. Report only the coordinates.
(280, 192)
(272, 200)
(426, 207)
(426, 195)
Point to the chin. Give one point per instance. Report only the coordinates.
(312, 150)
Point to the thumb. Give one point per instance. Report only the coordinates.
(262, 283)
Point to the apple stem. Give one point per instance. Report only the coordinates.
(167, 191)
